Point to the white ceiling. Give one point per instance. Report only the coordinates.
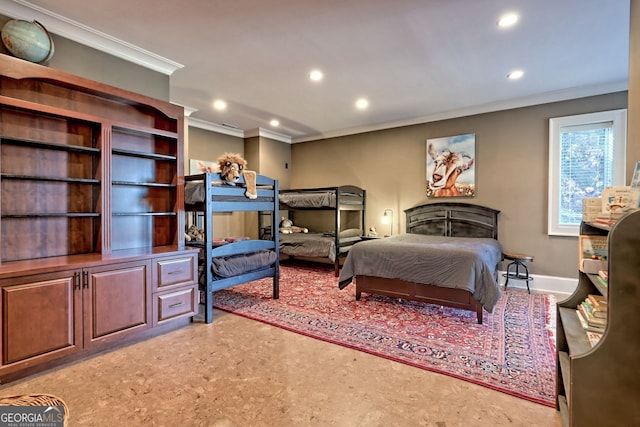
(414, 60)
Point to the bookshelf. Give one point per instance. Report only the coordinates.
(92, 216)
(600, 384)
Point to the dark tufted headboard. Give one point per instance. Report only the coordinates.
(453, 219)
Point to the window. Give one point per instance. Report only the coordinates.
(586, 154)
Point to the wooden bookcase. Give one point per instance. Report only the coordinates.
(92, 217)
(600, 385)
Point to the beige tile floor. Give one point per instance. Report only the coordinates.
(238, 372)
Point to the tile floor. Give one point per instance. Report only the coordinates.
(238, 372)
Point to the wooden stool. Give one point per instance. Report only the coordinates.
(513, 269)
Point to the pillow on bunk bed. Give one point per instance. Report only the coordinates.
(350, 232)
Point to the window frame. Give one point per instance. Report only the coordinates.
(618, 118)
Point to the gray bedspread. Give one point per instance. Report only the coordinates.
(453, 262)
(309, 199)
(235, 265)
(194, 192)
(309, 245)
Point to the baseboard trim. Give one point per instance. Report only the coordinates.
(541, 283)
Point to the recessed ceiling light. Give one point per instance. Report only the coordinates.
(362, 103)
(274, 123)
(219, 104)
(515, 75)
(507, 20)
(315, 75)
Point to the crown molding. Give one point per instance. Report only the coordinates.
(226, 130)
(266, 133)
(72, 30)
(214, 127)
(544, 98)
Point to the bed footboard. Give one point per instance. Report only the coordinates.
(396, 288)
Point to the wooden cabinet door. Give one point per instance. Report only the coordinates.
(117, 301)
(41, 318)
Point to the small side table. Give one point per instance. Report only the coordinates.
(516, 268)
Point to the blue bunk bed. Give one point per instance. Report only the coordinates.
(228, 263)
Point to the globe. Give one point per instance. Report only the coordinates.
(27, 40)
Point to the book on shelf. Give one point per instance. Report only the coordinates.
(594, 337)
(607, 219)
(604, 274)
(619, 198)
(603, 282)
(591, 207)
(598, 301)
(593, 252)
(592, 312)
(586, 326)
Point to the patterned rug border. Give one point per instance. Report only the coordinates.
(284, 313)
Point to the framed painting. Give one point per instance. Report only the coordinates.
(451, 166)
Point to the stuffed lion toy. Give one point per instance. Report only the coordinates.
(232, 166)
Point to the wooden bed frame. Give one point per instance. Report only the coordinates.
(440, 219)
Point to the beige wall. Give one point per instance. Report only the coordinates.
(511, 172)
(208, 146)
(90, 63)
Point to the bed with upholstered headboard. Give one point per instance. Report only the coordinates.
(450, 256)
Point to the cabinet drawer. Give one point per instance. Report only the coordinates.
(175, 304)
(175, 271)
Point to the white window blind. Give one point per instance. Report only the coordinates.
(586, 155)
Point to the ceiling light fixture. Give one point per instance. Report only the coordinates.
(219, 104)
(362, 103)
(507, 20)
(274, 123)
(515, 75)
(315, 75)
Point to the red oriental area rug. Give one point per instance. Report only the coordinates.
(513, 351)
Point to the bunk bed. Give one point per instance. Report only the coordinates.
(226, 261)
(449, 255)
(330, 237)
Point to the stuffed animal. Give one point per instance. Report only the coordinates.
(287, 227)
(232, 166)
(194, 233)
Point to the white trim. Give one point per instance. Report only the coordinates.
(226, 130)
(547, 284)
(619, 124)
(58, 24)
(267, 134)
(203, 124)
